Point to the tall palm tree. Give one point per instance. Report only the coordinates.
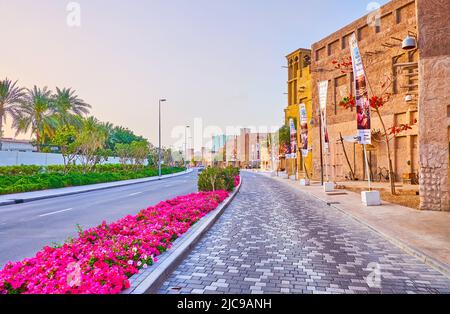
(11, 96)
(35, 114)
(68, 107)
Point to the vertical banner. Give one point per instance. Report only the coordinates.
(293, 132)
(323, 94)
(361, 94)
(304, 130)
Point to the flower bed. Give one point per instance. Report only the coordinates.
(102, 259)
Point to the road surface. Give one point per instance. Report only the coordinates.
(27, 228)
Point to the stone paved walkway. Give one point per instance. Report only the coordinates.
(274, 239)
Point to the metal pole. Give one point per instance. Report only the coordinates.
(367, 168)
(159, 150)
(185, 148)
(321, 149)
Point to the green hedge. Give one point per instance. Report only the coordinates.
(222, 178)
(52, 177)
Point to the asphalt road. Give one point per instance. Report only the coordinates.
(27, 228)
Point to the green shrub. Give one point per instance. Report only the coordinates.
(25, 178)
(20, 170)
(214, 179)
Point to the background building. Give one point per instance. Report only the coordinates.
(13, 145)
(246, 150)
(299, 92)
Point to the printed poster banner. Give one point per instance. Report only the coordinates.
(361, 94)
(293, 132)
(304, 130)
(323, 94)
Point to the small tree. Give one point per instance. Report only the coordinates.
(102, 156)
(153, 156)
(376, 103)
(123, 151)
(210, 179)
(139, 152)
(90, 141)
(66, 138)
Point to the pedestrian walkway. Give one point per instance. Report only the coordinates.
(426, 232)
(276, 239)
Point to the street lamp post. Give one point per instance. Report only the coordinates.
(159, 150)
(185, 146)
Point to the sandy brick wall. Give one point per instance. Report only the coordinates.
(382, 54)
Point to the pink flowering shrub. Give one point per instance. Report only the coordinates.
(102, 259)
(237, 180)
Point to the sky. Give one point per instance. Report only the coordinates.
(218, 60)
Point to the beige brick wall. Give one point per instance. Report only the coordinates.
(380, 49)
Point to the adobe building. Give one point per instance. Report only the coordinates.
(299, 92)
(419, 89)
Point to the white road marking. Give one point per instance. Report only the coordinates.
(57, 212)
(137, 193)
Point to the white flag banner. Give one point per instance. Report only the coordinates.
(361, 94)
(323, 95)
(304, 130)
(293, 133)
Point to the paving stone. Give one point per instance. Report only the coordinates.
(275, 239)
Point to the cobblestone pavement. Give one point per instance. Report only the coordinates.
(274, 239)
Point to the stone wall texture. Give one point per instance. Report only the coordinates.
(434, 101)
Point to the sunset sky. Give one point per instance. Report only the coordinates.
(219, 60)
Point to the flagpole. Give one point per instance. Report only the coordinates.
(367, 168)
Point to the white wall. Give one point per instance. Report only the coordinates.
(39, 159)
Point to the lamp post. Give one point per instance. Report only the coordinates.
(159, 151)
(185, 146)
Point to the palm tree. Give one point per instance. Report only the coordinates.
(11, 96)
(35, 114)
(68, 107)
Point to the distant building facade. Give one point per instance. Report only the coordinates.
(246, 150)
(13, 145)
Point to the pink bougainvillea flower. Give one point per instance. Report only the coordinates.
(102, 259)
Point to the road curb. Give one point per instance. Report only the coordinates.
(119, 184)
(423, 257)
(151, 279)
